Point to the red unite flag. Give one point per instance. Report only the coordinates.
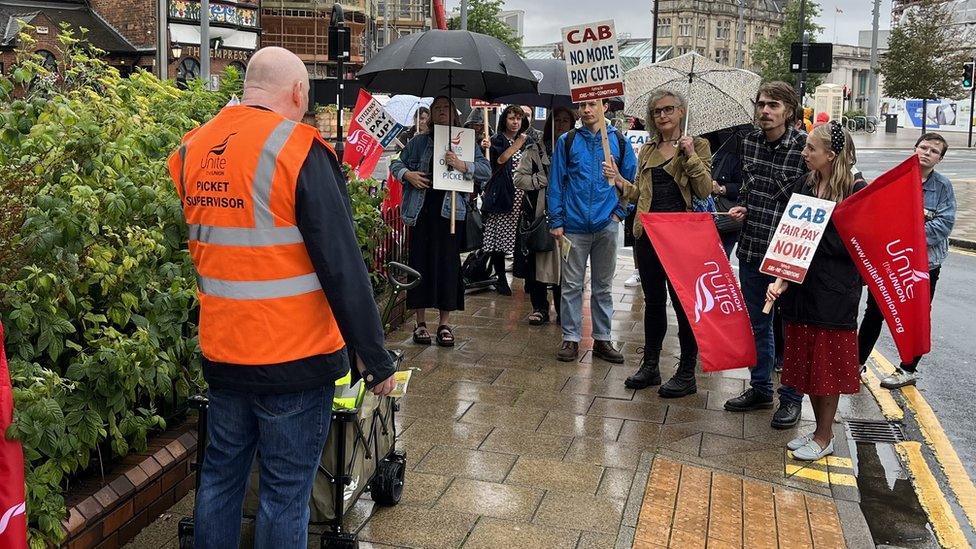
(362, 151)
(706, 286)
(883, 227)
(13, 511)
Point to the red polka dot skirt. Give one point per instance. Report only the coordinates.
(820, 361)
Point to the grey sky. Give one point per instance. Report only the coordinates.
(544, 18)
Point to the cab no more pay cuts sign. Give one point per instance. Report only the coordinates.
(592, 61)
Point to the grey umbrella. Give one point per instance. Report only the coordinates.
(718, 96)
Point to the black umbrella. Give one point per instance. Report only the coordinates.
(553, 87)
(453, 63)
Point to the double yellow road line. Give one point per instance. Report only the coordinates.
(930, 495)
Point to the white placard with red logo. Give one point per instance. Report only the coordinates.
(374, 119)
(593, 61)
(797, 236)
(461, 141)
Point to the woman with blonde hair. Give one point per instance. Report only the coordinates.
(820, 315)
(672, 168)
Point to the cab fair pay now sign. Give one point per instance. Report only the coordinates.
(797, 236)
(592, 61)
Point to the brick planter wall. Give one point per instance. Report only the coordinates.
(145, 485)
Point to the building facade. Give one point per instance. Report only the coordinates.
(963, 12)
(710, 27)
(398, 18)
(127, 31)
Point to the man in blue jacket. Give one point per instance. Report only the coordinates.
(587, 210)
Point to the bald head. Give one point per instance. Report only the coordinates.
(277, 79)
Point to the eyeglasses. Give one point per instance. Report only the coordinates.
(664, 111)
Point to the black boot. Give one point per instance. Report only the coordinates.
(683, 381)
(498, 264)
(649, 373)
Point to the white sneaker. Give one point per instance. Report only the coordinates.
(899, 379)
(799, 441)
(633, 281)
(811, 451)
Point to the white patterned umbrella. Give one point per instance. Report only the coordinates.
(718, 96)
(403, 108)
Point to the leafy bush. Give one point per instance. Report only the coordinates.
(366, 196)
(97, 285)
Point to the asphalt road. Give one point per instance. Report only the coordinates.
(958, 163)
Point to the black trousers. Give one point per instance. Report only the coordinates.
(870, 330)
(539, 295)
(656, 286)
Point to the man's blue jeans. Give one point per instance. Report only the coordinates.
(600, 248)
(754, 285)
(288, 431)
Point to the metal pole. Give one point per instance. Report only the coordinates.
(386, 22)
(339, 21)
(972, 101)
(740, 37)
(205, 42)
(162, 44)
(464, 14)
(873, 98)
(804, 59)
(654, 34)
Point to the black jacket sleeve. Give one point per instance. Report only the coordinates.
(324, 218)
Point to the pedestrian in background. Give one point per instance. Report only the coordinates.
(534, 133)
(507, 147)
(940, 216)
(421, 121)
(542, 269)
(771, 163)
(434, 251)
(281, 282)
(820, 315)
(726, 181)
(672, 169)
(588, 211)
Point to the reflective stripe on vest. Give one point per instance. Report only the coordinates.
(264, 232)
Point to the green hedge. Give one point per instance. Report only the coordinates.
(97, 289)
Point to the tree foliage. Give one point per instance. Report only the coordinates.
(771, 54)
(925, 55)
(483, 18)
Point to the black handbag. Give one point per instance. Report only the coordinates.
(725, 223)
(535, 229)
(473, 237)
(499, 197)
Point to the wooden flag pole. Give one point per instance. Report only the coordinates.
(607, 155)
(779, 285)
(453, 209)
(484, 116)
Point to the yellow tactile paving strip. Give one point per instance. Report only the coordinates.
(690, 507)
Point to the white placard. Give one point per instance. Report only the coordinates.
(592, 61)
(461, 141)
(797, 237)
(377, 123)
(637, 138)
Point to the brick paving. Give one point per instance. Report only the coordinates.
(507, 447)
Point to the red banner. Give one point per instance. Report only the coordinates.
(13, 511)
(362, 151)
(883, 227)
(706, 286)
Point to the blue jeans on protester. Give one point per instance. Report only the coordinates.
(754, 285)
(288, 431)
(601, 249)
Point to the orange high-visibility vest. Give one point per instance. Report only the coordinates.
(260, 298)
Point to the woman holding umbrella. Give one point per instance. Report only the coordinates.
(434, 250)
(671, 169)
(532, 176)
(507, 146)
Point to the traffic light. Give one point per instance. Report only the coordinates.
(967, 75)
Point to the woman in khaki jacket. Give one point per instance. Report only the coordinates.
(541, 269)
(671, 169)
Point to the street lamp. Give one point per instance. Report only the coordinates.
(339, 42)
(176, 50)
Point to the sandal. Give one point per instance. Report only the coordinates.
(445, 337)
(538, 318)
(420, 334)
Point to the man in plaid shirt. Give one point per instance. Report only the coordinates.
(771, 164)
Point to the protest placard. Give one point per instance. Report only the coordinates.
(374, 119)
(476, 103)
(637, 138)
(461, 141)
(796, 239)
(592, 61)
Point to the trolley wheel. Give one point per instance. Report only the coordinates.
(387, 485)
(331, 540)
(185, 533)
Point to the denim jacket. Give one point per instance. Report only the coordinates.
(940, 206)
(416, 157)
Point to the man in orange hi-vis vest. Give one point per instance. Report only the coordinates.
(283, 289)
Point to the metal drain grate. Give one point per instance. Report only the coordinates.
(875, 431)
